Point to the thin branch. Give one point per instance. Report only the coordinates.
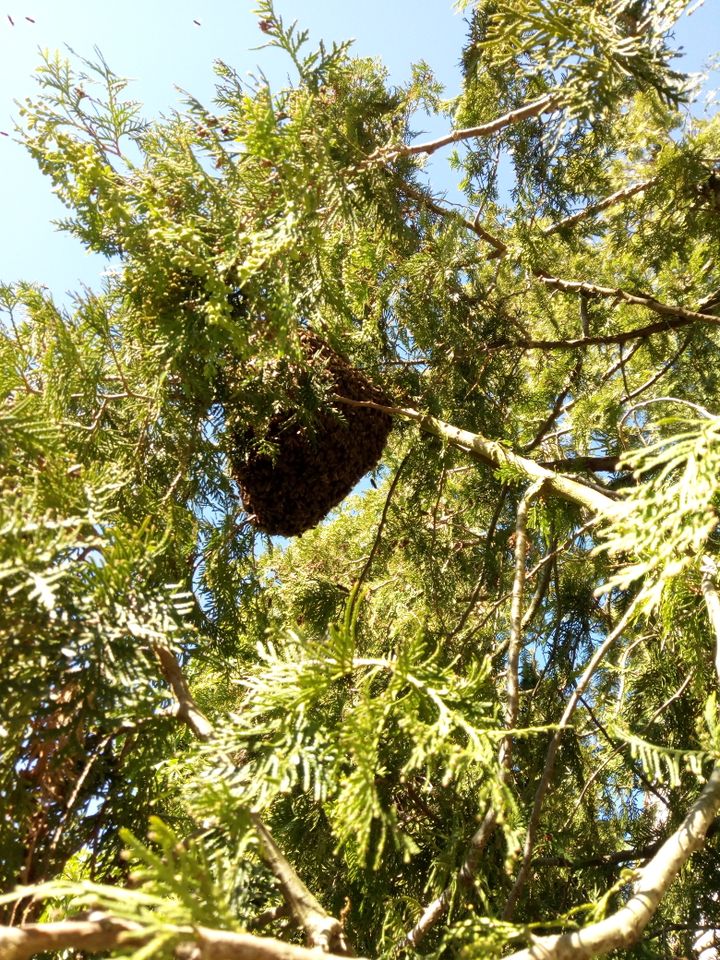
(556, 407)
(321, 929)
(602, 860)
(617, 749)
(594, 208)
(677, 317)
(473, 225)
(542, 788)
(651, 381)
(607, 464)
(436, 910)
(624, 927)
(617, 293)
(516, 626)
(712, 602)
(545, 104)
(381, 526)
(271, 915)
(464, 617)
(187, 710)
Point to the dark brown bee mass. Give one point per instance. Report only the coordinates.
(311, 467)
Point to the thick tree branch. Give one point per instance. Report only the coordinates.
(495, 454)
(103, 933)
(623, 928)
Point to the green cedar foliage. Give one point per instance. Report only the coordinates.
(357, 677)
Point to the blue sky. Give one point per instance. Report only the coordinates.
(158, 44)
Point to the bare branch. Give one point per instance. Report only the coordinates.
(545, 104)
(187, 710)
(598, 207)
(321, 929)
(494, 453)
(102, 933)
(623, 928)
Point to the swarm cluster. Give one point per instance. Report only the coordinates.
(291, 480)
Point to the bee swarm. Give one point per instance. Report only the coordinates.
(312, 468)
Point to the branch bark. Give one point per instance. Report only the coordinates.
(495, 454)
(104, 933)
(544, 104)
(623, 928)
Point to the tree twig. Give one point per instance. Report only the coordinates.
(548, 770)
(598, 207)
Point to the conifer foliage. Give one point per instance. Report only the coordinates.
(473, 712)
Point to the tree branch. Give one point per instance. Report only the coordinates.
(598, 207)
(623, 928)
(549, 768)
(545, 104)
(436, 910)
(320, 928)
(495, 454)
(102, 933)
(187, 710)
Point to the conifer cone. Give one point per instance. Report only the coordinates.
(312, 467)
